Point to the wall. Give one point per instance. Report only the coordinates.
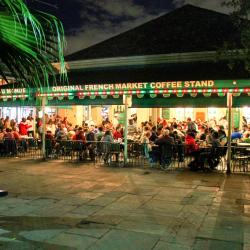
(74, 114)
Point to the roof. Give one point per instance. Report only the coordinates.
(187, 29)
(165, 72)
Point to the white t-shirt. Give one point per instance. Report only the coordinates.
(30, 123)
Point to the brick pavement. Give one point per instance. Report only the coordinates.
(54, 205)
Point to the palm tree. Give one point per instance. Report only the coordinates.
(30, 41)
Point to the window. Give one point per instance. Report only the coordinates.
(212, 113)
(181, 114)
(246, 113)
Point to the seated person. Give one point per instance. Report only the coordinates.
(71, 133)
(247, 138)
(204, 134)
(90, 137)
(212, 155)
(16, 134)
(1, 134)
(50, 143)
(191, 145)
(49, 136)
(216, 151)
(21, 142)
(9, 142)
(222, 137)
(165, 143)
(153, 136)
(209, 137)
(180, 134)
(215, 140)
(8, 134)
(179, 148)
(79, 135)
(117, 133)
(61, 135)
(236, 135)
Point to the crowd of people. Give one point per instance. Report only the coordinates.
(157, 137)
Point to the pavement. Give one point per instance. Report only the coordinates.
(55, 205)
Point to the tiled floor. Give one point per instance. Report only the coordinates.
(54, 205)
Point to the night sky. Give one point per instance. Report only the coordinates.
(87, 22)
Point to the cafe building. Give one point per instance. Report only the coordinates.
(171, 67)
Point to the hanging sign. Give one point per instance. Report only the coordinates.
(116, 89)
(13, 91)
(147, 86)
(134, 86)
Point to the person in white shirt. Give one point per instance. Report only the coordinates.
(115, 121)
(51, 127)
(223, 122)
(212, 123)
(31, 123)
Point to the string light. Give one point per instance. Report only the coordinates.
(134, 92)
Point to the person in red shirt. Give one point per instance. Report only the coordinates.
(117, 133)
(191, 145)
(79, 135)
(15, 134)
(8, 134)
(80, 147)
(23, 127)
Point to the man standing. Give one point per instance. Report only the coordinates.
(191, 126)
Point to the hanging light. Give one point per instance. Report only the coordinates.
(221, 94)
(140, 95)
(60, 97)
(71, 97)
(184, 91)
(193, 94)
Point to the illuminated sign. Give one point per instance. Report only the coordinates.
(116, 89)
(135, 86)
(13, 91)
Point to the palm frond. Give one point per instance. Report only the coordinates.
(30, 41)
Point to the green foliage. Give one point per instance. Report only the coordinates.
(241, 18)
(30, 41)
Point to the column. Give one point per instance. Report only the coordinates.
(229, 107)
(44, 127)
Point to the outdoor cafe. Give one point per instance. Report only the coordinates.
(202, 94)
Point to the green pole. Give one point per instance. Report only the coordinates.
(44, 127)
(229, 148)
(125, 99)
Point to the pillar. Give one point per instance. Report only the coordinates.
(229, 151)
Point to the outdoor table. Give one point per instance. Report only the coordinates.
(242, 144)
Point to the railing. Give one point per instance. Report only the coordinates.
(28, 148)
(139, 155)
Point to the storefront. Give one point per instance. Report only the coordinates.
(200, 100)
(172, 73)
